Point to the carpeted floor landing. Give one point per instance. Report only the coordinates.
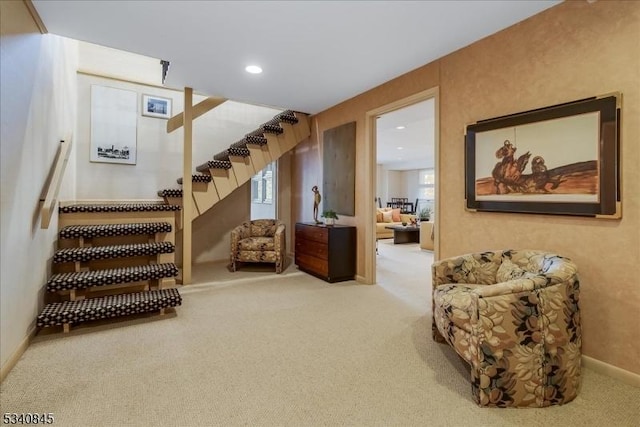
(286, 350)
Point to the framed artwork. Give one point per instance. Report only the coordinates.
(114, 116)
(155, 106)
(563, 160)
(339, 169)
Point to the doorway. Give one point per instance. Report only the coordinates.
(371, 151)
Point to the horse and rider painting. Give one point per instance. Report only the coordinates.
(554, 157)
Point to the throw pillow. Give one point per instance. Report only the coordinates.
(396, 215)
(510, 271)
(379, 216)
(387, 216)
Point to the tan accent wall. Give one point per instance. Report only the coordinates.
(571, 51)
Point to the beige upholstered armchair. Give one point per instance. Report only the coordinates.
(260, 240)
(514, 317)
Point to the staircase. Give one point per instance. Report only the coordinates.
(116, 260)
(112, 260)
(231, 168)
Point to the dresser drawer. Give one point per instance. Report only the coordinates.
(318, 234)
(312, 264)
(313, 248)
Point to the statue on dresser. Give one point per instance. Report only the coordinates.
(316, 203)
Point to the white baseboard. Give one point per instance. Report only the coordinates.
(11, 362)
(603, 368)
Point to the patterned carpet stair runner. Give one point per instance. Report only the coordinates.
(73, 312)
(111, 276)
(81, 290)
(112, 251)
(171, 193)
(117, 207)
(197, 178)
(213, 164)
(110, 230)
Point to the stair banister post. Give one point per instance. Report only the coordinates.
(187, 199)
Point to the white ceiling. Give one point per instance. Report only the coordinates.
(412, 147)
(315, 54)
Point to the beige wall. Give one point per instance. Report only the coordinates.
(159, 155)
(572, 51)
(37, 92)
(156, 149)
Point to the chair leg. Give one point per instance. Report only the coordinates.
(437, 337)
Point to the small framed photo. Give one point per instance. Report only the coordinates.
(156, 106)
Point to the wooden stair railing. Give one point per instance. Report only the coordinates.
(177, 121)
(50, 198)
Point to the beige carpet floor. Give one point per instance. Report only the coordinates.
(258, 349)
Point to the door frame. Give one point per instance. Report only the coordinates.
(370, 173)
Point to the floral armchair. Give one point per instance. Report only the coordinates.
(514, 317)
(260, 240)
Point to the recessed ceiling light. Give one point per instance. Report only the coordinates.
(399, 127)
(253, 69)
(400, 148)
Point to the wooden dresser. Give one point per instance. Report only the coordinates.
(327, 252)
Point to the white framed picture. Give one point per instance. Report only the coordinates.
(156, 106)
(114, 118)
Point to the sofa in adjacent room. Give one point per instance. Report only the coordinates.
(388, 216)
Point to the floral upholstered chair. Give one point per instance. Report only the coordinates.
(514, 317)
(260, 240)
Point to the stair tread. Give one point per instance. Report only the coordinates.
(118, 207)
(108, 230)
(272, 126)
(198, 178)
(214, 164)
(112, 276)
(287, 116)
(223, 156)
(239, 151)
(170, 192)
(107, 307)
(111, 251)
(256, 137)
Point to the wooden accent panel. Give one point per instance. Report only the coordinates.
(273, 144)
(242, 168)
(200, 187)
(224, 180)
(205, 200)
(258, 159)
(289, 136)
(302, 128)
(339, 168)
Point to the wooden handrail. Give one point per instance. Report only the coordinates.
(199, 109)
(53, 186)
